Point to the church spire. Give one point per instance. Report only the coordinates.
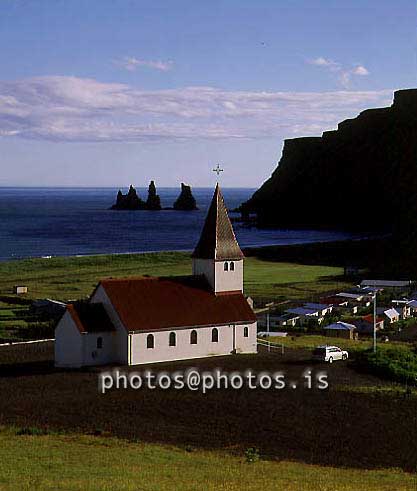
(218, 241)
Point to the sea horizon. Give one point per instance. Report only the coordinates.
(38, 222)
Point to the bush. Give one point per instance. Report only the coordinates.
(252, 455)
(394, 363)
(31, 431)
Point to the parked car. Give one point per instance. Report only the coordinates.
(329, 354)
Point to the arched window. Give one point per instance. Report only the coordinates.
(99, 343)
(246, 332)
(150, 341)
(214, 335)
(193, 337)
(226, 266)
(232, 266)
(172, 339)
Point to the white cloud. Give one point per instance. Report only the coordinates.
(72, 109)
(324, 62)
(345, 73)
(131, 63)
(360, 70)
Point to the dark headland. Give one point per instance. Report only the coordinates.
(362, 176)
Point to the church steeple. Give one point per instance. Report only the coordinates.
(217, 240)
(217, 254)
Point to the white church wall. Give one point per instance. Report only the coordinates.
(121, 341)
(93, 355)
(246, 344)
(229, 280)
(184, 349)
(219, 279)
(68, 343)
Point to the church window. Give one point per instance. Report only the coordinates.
(99, 343)
(214, 335)
(246, 332)
(150, 341)
(172, 339)
(232, 266)
(193, 337)
(226, 266)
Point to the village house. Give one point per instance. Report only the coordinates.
(390, 314)
(340, 304)
(403, 307)
(306, 314)
(322, 308)
(341, 330)
(392, 284)
(365, 325)
(287, 320)
(359, 298)
(154, 319)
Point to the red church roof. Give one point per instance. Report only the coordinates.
(166, 303)
(90, 317)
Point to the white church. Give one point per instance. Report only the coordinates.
(138, 320)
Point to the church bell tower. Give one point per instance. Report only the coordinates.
(217, 255)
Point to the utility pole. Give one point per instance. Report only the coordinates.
(267, 329)
(375, 322)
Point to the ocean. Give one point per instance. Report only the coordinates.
(39, 222)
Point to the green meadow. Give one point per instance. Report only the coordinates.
(74, 277)
(89, 463)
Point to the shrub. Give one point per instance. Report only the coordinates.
(252, 455)
(31, 431)
(394, 363)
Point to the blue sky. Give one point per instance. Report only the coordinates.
(111, 92)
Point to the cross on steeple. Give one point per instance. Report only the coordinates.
(218, 170)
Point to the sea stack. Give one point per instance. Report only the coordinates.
(153, 202)
(186, 200)
(129, 201)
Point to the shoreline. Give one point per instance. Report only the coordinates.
(342, 252)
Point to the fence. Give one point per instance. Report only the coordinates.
(271, 345)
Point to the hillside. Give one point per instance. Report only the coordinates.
(362, 176)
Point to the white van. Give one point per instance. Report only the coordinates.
(329, 354)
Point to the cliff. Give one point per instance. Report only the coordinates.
(362, 176)
(186, 200)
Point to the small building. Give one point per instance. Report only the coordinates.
(306, 314)
(341, 330)
(393, 284)
(390, 314)
(412, 305)
(365, 325)
(287, 319)
(403, 307)
(323, 308)
(20, 290)
(340, 304)
(360, 298)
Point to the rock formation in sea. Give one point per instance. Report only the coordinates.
(129, 201)
(186, 200)
(153, 202)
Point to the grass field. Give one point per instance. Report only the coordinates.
(87, 463)
(310, 341)
(75, 277)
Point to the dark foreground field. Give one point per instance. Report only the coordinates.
(360, 421)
